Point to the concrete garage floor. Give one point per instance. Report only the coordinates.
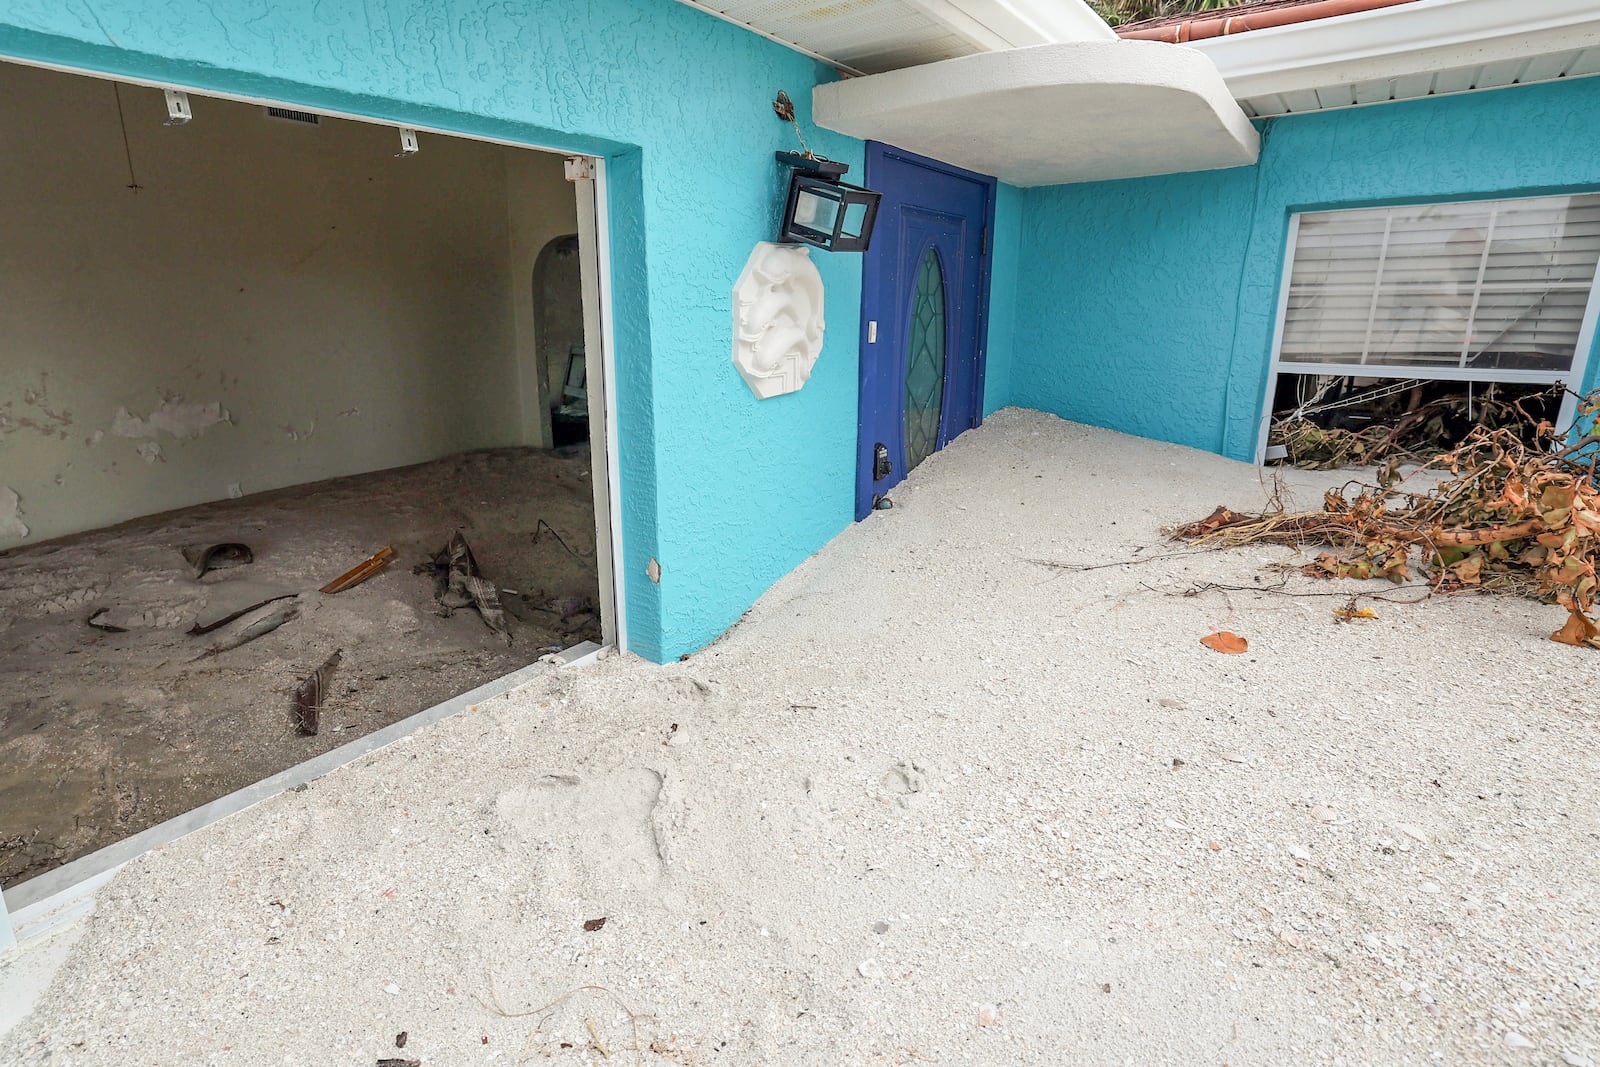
(924, 805)
(103, 734)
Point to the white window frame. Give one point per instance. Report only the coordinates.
(1572, 377)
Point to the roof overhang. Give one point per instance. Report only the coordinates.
(1051, 114)
(1422, 48)
(870, 36)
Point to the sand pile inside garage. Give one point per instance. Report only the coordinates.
(104, 732)
(929, 802)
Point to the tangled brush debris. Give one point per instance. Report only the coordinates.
(1507, 516)
(1405, 427)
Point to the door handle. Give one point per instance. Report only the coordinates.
(881, 467)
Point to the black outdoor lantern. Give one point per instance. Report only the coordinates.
(823, 211)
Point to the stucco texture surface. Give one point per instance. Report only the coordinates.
(726, 492)
(1000, 350)
(1148, 305)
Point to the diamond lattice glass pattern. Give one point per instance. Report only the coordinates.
(925, 362)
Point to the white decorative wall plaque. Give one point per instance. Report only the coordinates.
(777, 319)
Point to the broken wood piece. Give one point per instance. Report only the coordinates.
(310, 693)
(229, 600)
(216, 557)
(258, 624)
(361, 571)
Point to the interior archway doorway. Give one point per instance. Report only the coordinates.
(558, 331)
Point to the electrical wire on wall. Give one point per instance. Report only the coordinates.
(127, 149)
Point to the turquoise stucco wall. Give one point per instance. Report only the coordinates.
(1148, 305)
(1005, 245)
(728, 493)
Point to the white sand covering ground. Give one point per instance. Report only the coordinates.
(921, 806)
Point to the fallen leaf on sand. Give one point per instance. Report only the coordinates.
(1213, 522)
(1225, 642)
(1578, 630)
(1355, 613)
(591, 925)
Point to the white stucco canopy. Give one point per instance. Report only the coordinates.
(1035, 92)
(1042, 91)
(1054, 113)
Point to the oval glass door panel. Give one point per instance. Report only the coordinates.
(925, 362)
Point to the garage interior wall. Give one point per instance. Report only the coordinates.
(275, 304)
(1149, 305)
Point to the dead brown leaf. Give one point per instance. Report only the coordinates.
(1226, 642)
(1213, 522)
(1577, 631)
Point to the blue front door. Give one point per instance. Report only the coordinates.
(925, 289)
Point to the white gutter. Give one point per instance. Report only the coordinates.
(1416, 38)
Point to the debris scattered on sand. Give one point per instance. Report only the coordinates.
(460, 583)
(100, 620)
(91, 717)
(1394, 421)
(1507, 517)
(310, 694)
(257, 624)
(361, 571)
(227, 601)
(1032, 869)
(217, 557)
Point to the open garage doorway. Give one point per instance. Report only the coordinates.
(246, 350)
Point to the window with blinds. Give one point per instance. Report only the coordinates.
(1491, 285)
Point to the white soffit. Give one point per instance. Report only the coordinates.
(1425, 48)
(1051, 114)
(869, 36)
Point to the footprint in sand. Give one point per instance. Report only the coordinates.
(591, 830)
(904, 778)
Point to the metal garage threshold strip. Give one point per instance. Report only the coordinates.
(58, 898)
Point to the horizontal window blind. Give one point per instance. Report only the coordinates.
(1495, 284)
